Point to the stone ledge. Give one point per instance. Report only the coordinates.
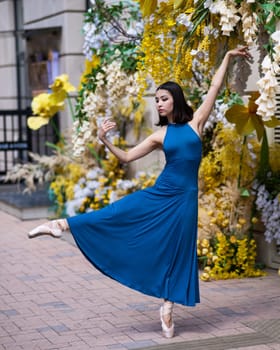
(25, 206)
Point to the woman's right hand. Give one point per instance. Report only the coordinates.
(105, 127)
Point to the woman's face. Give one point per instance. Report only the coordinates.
(164, 103)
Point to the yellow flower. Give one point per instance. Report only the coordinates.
(242, 221)
(204, 251)
(205, 243)
(170, 22)
(246, 119)
(205, 277)
(238, 226)
(44, 107)
(147, 7)
(215, 258)
(62, 85)
(232, 239)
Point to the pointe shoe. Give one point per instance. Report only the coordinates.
(168, 332)
(52, 228)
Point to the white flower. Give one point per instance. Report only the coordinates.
(249, 23)
(229, 17)
(270, 213)
(124, 184)
(185, 20)
(208, 4)
(94, 173)
(73, 206)
(276, 36)
(268, 87)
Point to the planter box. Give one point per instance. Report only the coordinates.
(267, 253)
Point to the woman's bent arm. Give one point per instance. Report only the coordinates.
(148, 145)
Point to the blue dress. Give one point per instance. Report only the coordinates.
(147, 239)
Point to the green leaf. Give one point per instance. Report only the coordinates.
(267, 7)
(264, 167)
(52, 145)
(271, 25)
(244, 192)
(95, 155)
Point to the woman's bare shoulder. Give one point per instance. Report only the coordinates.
(159, 135)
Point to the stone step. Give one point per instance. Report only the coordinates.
(25, 206)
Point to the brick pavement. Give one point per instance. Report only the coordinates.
(52, 298)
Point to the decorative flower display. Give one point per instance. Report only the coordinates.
(183, 41)
(197, 23)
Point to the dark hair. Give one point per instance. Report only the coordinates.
(182, 112)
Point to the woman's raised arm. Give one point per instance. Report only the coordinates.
(202, 113)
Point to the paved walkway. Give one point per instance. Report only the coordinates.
(52, 298)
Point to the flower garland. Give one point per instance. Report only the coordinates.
(112, 33)
(115, 96)
(268, 84)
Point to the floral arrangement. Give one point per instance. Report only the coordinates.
(225, 176)
(109, 86)
(198, 30)
(187, 37)
(177, 40)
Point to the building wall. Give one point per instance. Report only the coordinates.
(35, 16)
(8, 57)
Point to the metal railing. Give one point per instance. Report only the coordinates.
(17, 140)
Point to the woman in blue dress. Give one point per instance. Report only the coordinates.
(147, 240)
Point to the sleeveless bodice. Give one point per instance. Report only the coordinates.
(182, 148)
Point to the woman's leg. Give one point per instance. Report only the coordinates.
(53, 228)
(166, 318)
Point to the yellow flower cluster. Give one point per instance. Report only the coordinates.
(226, 172)
(108, 186)
(157, 46)
(61, 188)
(225, 162)
(228, 257)
(170, 47)
(224, 210)
(89, 66)
(101, 196)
